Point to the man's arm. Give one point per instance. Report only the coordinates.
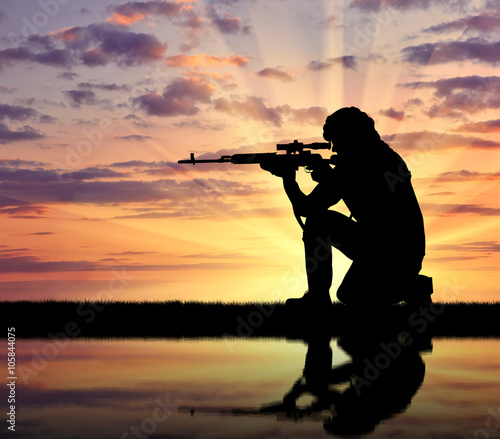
(295, 194)
(324, 195)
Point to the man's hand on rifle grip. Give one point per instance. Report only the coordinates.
(321, 172)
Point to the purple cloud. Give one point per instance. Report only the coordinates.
(227, 24)
(403, 5)
(21, 209)
(131, 253)
(70, 76)
(134, 138)
(128, 48)
(16, 163)
(163, 198)
(488, 126)
(432, 209)
(428, 141)
(138, 164)
(14, 112)
(485, 22)
(6, 90)
(180, 97)
(41, 176)
(95, 192)
(461, 95)
(393, 114)
(54, 58)
(131, 12)
(44, 186)
(92, 174)
(347, 62)
(38, 176)
(473, 49)
(180, 12)
(465, 175)
(483, 248)
(24, 133)
(281, 75)
(478, 246)
(93, 45)
(22, 114)
(104, 87)
(81, 97)
(33, 264)
(160, 168)
(13, 55)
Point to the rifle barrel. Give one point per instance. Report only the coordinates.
(192, 160)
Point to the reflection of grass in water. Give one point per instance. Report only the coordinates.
(208, 319)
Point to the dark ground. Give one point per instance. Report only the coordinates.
(176, 319)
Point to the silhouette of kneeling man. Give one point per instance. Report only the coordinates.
(368, 394)
(384, 237)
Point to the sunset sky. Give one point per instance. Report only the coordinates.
(99, 99)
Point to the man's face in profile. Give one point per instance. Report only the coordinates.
(334, 138)
(327, 131)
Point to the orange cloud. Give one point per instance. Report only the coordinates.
(67, 34)
(203, 60)
(125, 19)
(132, 12)
(226, 80)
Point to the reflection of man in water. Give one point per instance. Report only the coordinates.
(379, 382)
(384, 236)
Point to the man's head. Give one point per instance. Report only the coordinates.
(349, 129)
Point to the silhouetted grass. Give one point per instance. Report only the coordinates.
(177, 319)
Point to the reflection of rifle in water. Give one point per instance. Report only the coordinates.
(294, 157)
(281, 411)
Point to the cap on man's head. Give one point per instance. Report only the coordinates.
(351, 121)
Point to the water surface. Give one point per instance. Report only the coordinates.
(235, 388)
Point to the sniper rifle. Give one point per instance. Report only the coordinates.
(296, 154)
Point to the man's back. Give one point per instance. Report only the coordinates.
(376, 187)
